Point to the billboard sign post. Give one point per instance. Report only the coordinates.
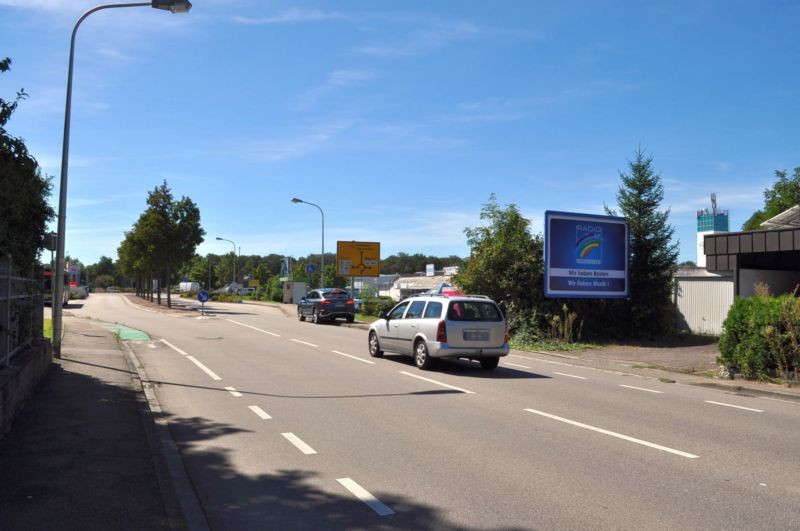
(585, 256)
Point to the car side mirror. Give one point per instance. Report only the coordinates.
(383, 315)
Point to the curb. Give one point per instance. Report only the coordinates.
(163, 445)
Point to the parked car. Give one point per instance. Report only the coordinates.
(326, 304)
(428, 327)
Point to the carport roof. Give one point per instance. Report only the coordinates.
(785, 220)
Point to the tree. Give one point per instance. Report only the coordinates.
(163, 239)
(23, 193)
(783, 195)
(505, 261)
(654, 257)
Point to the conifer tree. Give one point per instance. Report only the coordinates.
(654, 256)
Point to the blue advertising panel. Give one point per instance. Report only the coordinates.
(585, 256)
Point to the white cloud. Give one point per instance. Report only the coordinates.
(291, 16)
(310, 139)
(336, 80)
(425, 41)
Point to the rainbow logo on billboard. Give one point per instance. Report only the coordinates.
(588, 244)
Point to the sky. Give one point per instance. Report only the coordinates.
(400, 119)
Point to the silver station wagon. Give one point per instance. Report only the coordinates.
(440, 326)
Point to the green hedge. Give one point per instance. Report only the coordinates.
(760, 337)
(374, 306)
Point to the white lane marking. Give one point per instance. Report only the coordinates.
(571, 375)
(204, 368)
(642, 389)
(233, 391)
(516, 365)
(614, 434)
(260, 412)
(354, 357)
(303, 342)
(737, 407)
(362, 494)
(778, 400)
(295, 440)
(173, 347)
(437, 383)
(253, 327)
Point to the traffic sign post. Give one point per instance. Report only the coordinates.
(203, 298)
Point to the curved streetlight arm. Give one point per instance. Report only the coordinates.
(176, 6)
(322, 258)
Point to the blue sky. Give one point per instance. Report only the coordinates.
(401, 118)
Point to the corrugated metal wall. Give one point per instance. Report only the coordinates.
(703, 303)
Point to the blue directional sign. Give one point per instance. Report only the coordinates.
(310, 268)
(585, 256)
(202, 296)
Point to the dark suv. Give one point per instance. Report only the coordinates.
(326, 304)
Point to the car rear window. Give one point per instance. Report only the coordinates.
(474, 311)
(336, 295)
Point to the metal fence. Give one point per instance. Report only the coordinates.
(21, 312)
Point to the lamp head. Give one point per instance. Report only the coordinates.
(296, 200)
(219, 238)
(173, 6)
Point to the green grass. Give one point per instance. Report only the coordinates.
(48, 329)
(551, 345)
(364, 318)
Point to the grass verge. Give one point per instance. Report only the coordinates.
(48, 329)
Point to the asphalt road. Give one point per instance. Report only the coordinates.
(290, 425)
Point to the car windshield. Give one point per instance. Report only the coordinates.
(474, 311)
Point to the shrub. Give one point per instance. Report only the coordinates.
(375, 305)
(760, 337)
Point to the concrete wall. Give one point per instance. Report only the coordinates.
(779, 282)
(703, 303)
(18, 381)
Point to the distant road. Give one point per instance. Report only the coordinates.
(290, 425)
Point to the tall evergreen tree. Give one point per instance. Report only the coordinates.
(654, 257)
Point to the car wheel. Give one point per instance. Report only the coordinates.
(374, 346)
(422, 358)
(300, 315)
(351, 318)
(489, 363)
(315, 318)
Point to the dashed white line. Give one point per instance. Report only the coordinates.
(516, 365)
(253, 327)
(204, 368)
(260, 412)
(571, 376)
(303, 342)
(362, 494)
(354, 357)
(614, 434)
(295, 440)
(233, 391)
(737, 407)
(437, 383)
(641, 389)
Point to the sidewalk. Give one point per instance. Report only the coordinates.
(80, 453)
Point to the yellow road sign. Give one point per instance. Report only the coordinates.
(358, 259)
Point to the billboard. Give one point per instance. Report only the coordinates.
(358, 259)
(585, 256)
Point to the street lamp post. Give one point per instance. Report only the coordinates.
(322, 258)
(233, 284)
(174, 6)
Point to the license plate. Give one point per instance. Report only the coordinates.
(476, 335)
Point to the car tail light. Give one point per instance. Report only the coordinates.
(441, 332)
(351, 301)
(324, 303)
(507, 339)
